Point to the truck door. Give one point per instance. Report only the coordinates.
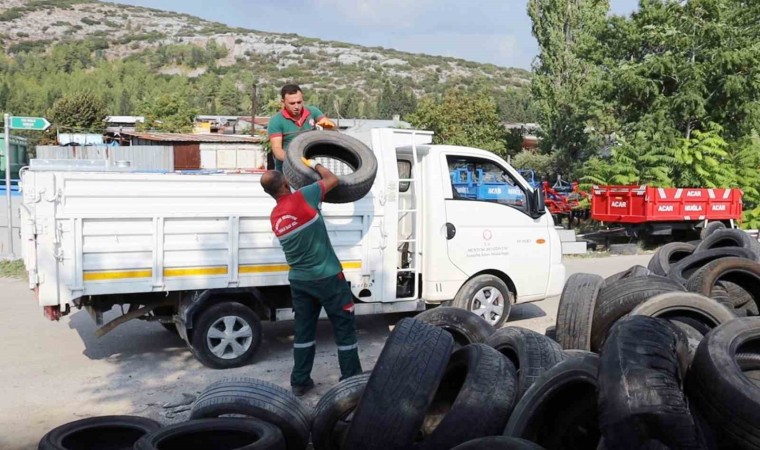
(488, 225)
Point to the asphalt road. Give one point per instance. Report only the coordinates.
(52, 373)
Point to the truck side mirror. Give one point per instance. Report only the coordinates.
(537, 203)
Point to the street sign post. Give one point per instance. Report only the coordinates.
(16, 123)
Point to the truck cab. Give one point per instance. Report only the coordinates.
(441, 225)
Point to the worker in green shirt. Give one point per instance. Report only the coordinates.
(316, 275)
(293, 119)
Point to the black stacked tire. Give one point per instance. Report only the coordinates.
(729, 239)
(475, 398)
(259, 399)
(620, 297)
(332, 416)
(728, 398)
(400, 388)
(329, 144)
(679, 305)
(531, 353)
(576, 311)
(465, 327)
(231, 433)
(640, 376)
(684, 269)
(740, 272)
(667, 255)
(711, 228)
(499, 443)
(559, 411)
(105, 432)
(633, 272)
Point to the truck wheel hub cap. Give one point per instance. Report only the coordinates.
(229, 337)
(488, 303)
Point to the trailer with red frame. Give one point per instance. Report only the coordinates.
(646, 210)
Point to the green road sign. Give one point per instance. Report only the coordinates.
(29, 123)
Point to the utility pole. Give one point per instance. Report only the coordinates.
(8, 199)
(254, 108)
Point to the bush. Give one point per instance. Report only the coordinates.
(543, 165)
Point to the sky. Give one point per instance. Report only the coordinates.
(488, 31)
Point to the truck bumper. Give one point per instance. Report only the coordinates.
(556, 280)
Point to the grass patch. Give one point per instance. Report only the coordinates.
(12, 269)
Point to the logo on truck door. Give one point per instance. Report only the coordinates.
(487, 235)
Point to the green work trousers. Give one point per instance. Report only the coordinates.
(309, 297)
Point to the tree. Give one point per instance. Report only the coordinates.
(395, 100)
(462, 118)
(168, 113)
(81, 112)
(564, 84)
(230, 97)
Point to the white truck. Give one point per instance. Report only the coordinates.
(195, 252)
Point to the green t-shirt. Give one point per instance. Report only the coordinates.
(282, 124)
(298, 224)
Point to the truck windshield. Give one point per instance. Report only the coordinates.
(483, 180)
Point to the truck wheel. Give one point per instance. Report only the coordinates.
(226, 335)
(486, 296)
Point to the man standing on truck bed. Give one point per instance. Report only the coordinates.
(294, 118)
(316, 275)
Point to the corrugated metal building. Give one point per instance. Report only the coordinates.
(206, 151)
(140, 157)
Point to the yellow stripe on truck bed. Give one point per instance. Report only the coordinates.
(117, 275)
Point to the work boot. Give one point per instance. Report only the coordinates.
(300, 390)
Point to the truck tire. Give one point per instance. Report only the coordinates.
(685, 268)
(498, 443)
(464, 326)
(259, 399)
(730, 238)
(333, 145)
(741, 272)
(400, 388)
(725, 396)
(674, 304)
(332, 416)
(633, 272)
(559, 410)
(730, 293)
(249, 434)
(475, 398)
(112, 432)
(486, 296)
(711, 228)
(619, 298)
(531, 353)
(226, 335)
(667, 255)
(576, 310)
(641, 370)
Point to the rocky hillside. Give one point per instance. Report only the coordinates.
(123, 31)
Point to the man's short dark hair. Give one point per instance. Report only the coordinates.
(289, 89)
(271, 181)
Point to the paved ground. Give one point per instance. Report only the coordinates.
(54, 373)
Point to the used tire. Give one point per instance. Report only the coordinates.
(620, 297)
(336, 146)
(741, 272)
(226, 335)
(401, 387)
(685, 304)
(730, 238)
(332, 416)
(465, 327)
(633, 272)
(684, 269)
(498, 443)
(728, 399)
(105, 432)
(531, 353)
(259, 399)
(667, 255)
(239, 434)
(559, 410)
(711, 228)
(486, 296)
(576, 310)
(475, 398)
(640, 376)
